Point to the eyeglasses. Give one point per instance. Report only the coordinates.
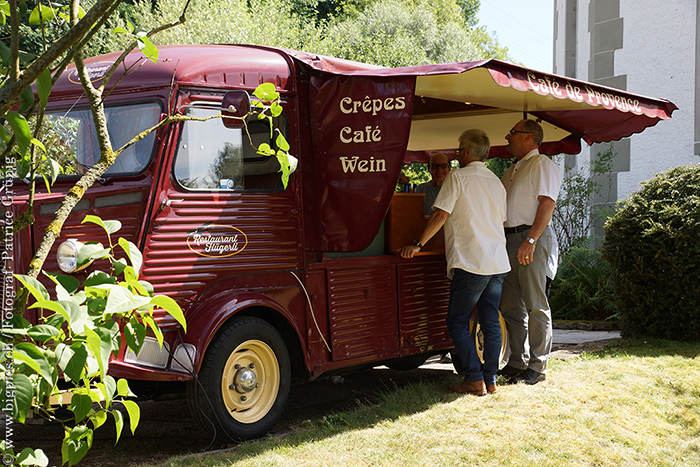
(512, 132)
(439, 166)
(460, 151)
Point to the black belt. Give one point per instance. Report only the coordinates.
(517, 229)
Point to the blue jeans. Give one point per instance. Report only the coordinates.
(467, 291)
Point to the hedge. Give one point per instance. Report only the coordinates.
(653, 245)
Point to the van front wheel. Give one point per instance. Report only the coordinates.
(243, 382)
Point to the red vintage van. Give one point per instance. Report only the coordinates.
(301, 282)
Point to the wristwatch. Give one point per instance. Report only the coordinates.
(531, 240)
(418, 244)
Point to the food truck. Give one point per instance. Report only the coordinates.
(298, 282)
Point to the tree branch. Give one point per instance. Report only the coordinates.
(15, 86)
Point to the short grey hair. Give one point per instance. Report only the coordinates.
(476, 142)
(531, 126)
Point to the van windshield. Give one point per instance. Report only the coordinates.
(71, 138)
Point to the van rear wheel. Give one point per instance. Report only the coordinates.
(478, 337)
(243, 382)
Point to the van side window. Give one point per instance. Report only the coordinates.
(72, 138)
(212, 157)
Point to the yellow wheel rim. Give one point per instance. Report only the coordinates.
(251, 380)
(479, 337)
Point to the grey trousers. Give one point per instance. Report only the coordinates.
(524, 304)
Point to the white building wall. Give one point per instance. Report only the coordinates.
(658, 57)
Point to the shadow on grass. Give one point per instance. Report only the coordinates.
(315, 410)
(324, 409)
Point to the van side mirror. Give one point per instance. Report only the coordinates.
(235, 104)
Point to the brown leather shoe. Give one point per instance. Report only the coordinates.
(475, 388)
(491, 388)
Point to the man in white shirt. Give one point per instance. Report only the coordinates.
(532, 183)
(472, 207)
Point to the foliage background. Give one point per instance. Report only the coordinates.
(381, 32)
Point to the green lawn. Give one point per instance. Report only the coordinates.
(633, 404)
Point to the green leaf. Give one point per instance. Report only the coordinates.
(109, 226)
(149, 50)
(136, 286)
(40, 145)
(69, 283)
(120, 30)
(133, 253)
(100, 346)
(276, 109)
(148, 287)
(47, 14)
(77, 315)
(54, 166)
(281, 142)
(29, 456)
(35, 287)
(43, 332)
(46, 181)
(134, 412)
(284, 168)
(98, 418)
(24, 393)
(75, 444)
(123, 388)
(35, 359)
(171, 306)
(90, 252)
(56, 320)
(98, 278)
(26, 100)
(21, 130)
(23, 166)
(266, 92)
(71, 360)
(150, 322)
(134, 333)
(118, 423)
(43, 86)
(265, 149)
(118, 265)
(80, 405)
(51, 306)
(120, 299)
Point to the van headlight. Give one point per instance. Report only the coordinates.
(67, 255)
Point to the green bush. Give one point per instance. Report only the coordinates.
(582, 289)
(653, 245)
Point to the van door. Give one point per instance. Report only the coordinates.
(222, 207)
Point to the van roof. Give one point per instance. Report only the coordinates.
(212, 65)
(242, 66)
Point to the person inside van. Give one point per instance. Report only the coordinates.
(439, 168)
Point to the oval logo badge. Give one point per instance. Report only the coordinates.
(217, 241)
(96, 71)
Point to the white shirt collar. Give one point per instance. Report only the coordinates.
(530, 154)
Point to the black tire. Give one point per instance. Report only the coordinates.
(243, 382)
(407, 363)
